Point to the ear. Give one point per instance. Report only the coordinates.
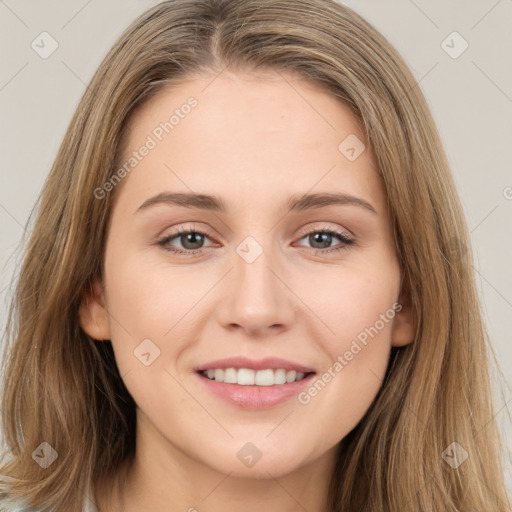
(404, 324)
(93, 314)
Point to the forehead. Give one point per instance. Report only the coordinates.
(273, 103)
(249, 136)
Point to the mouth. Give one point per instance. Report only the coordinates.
(250, 377)
(257, 390)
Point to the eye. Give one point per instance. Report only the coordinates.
(323, 238)
(191, 241)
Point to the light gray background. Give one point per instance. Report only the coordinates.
(470, 97)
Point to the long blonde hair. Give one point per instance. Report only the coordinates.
(63, 388)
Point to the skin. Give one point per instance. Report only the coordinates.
(254, 140)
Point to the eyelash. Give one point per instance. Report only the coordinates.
(342, 236)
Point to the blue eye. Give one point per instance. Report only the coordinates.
(194, 239)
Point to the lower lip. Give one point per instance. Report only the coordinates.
(256, 397)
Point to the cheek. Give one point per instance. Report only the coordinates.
(353, 299)
(361, 309)
(146, 301)
(357, 307)
(153, 310)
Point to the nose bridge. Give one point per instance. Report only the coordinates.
(254, 280)
(256, 298)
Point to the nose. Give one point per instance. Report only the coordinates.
(256, 297)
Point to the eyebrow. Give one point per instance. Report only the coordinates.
(217, 204)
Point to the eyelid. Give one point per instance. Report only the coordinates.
(184, 227)
(192, 228)
(324, 228)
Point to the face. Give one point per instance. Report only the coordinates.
(256, 271)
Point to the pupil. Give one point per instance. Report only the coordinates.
(193, 238)
(322, 238)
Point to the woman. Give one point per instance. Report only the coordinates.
(178, 339)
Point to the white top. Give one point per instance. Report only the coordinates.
(90, 502)
(89, 505)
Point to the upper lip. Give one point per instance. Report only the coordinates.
(274, 363)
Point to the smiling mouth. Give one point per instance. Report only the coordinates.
(249, 377)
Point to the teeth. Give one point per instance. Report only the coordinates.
(244, 376)
(230, 375)
(247, 377)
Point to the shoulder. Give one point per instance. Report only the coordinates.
(14, 506)
(9, 505)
